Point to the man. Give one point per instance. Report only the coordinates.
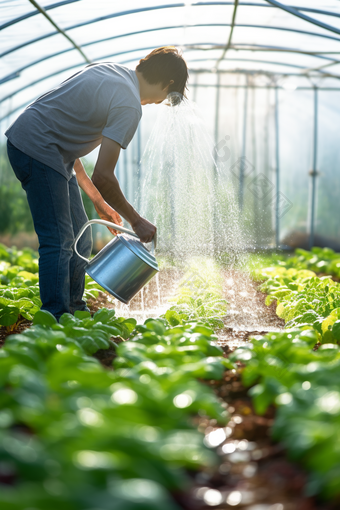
(100, 105)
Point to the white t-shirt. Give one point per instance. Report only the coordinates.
(69, 121)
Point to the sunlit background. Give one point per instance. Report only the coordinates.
(265, 77)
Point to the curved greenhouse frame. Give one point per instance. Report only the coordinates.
(265, 74)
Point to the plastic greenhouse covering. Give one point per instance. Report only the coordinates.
(263, 73)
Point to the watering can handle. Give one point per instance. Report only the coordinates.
(112, 225)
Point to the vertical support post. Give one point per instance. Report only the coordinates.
(117, 169)
(277, 172)
(313, 173)
(215, 170)
(139, 166)
(124, 175)
(194, 96)
(244, 145)
(217, 107)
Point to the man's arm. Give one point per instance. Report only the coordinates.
(107, 184)
(103, 209)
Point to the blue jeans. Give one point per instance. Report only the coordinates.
(58, 215)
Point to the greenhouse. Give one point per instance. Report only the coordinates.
(169, 255)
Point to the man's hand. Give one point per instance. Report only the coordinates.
(144, 229)
(105, 212)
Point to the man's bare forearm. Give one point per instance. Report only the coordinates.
(107, 184)
(86, 184)
(109, 188)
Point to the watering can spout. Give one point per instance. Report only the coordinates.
(124, 265)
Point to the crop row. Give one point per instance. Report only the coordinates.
(304, 300)
(19, 286)
(318, 260)
(284, 369)
(75, 435)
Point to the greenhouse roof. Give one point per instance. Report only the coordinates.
(42, 43)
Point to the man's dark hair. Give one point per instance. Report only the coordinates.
(163, 65)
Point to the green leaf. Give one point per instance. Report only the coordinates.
(44, 318)
(5, 302)
(173, 317)
(91, 345)
(336, 330)
(130, 324)
(155, 325)
(9, 315)
(109, 330)
(103, 315)
(8, 294)
(82, 314)
(269, 300)
(67, 319)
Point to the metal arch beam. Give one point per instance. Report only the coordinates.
(283, 50)
(285, 64)
(34, 13)
(310, 69)
(295, 12)
(129, 34)
(134, 11)
(314, 34)
(14, 74)
(17, 73)
(255, 72)
(288, 50)
(252, 71)
(65, 2)
(277, 49)
(60, 30)
(111, 55)
(210, 85)
(131, 60)
(193, 71)
(227, 46)
(31, 84)
(261, 47)
(260, 87)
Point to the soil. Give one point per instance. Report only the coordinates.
(247, 314)
(19, 328)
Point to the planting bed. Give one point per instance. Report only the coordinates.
(240, 465)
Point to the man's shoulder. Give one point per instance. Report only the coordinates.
(111, 70)
(125, 81)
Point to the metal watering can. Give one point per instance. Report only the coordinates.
(123, 266)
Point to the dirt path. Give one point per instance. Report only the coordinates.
(247, 314)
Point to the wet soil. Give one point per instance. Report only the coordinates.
(247, 313)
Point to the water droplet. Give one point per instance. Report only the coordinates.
(124, 396)
(212, 497)
(182, 400)
(234, 498)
